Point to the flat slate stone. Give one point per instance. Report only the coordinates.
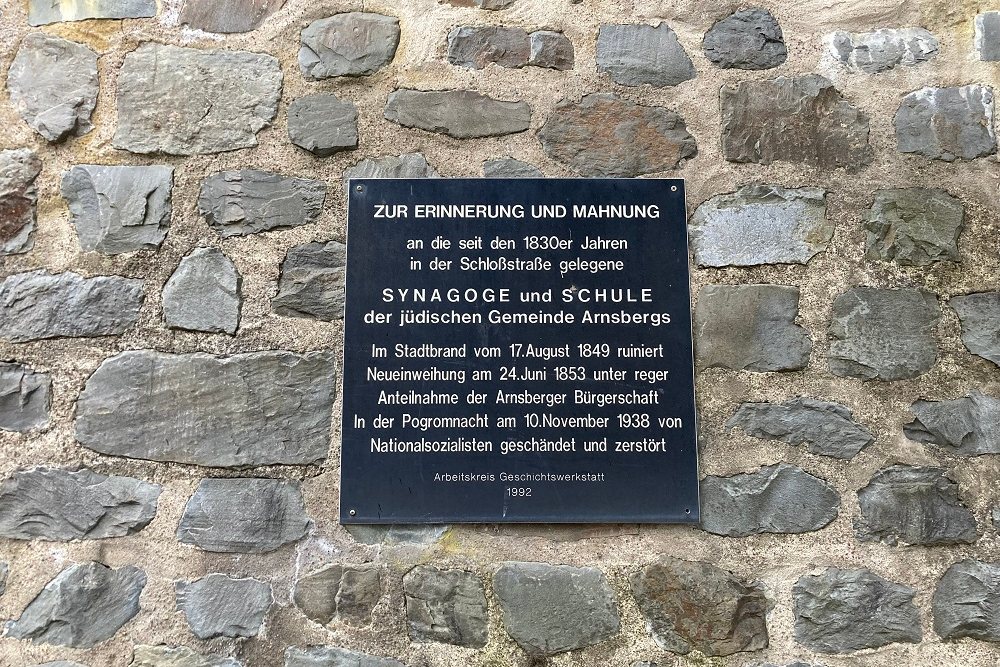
(636, 54)
(39, 305)
(552, 50)
(408, 165)
(247, 516)
(323, 124)
(350, 44)
(63, 505)
(83, 606)
(61, 663)
(463, 114)
(18, 199)
(774, 499)
(446, 606)
(841, 611)
(605, 135)
(330, 656)
(492, 5)
(180, 656)
(967, 426)
(194, 101)
(823, 427)
(258, 408)
(203, 293)
(4, 573)
(508, 167)
(761, 224)
(966, 599)
(980, 317)
(340, 592)
(475, 47)
(914, 226)
(42, 12)
(220, 606)
(882, 50)
(947, 123)
(249, 201)
(397, 534)
(987, 37)
(748, 39)
(25, 397)
(695, 606)
(227, 16)
(750, 327)
(53, 84)
(119, 209)
(549, 609)
(802, 120)
(312, 282)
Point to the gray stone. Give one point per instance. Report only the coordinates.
(323, 124)
(477, 46)
(194, 101)
(695, 606)
(913, 505)
(824, 428)
(248, 516)
(947, 123)
(312, 282)
(119, 209)
(636, 54)
(840, 611)
(761, 224)
(883, 334)
(25, 397)
(463, 114)
(508, 167)
(42, 12)
(4, 573)
(966, 599)
(445, 606)
(83, 606)
(987, 38)
(967, 426)
(18, 199)
(330, 656)
(219, 606)
(61, 663)
(238, 203)
(747, 39)
(605, 135)
(492, 5)
(350, 44)
(774, 499)
(397, 534)
(882, 50)
(227, 16)
(802, 120)
(62, 505)
(258, 408)
(750, 327)
(980, 317)
(203, 293)
(408, 165)
(345, 593)
(550, 609)
(181, 656)
(914, 226)
(53, 85)
(39, 305)
(552, 50)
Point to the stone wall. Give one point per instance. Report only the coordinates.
(172, 222)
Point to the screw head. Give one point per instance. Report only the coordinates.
(359, 188)
(353, 512)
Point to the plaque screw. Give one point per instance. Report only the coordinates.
(353, 512)
(361, 188)
(686, 511)
(673, 188)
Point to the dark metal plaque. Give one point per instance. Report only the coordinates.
(518, 351)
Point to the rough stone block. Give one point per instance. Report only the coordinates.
(330, 656)
(220, 606)
(552, 50)
(747, 39)
(882, 50)
(344, 593)
(463, 114)
(914, 226)
(475, 47)
(446, 606)
(947, 123)
(987, 36)
(824, 428)
(967, 426)
(980, 317)
(25, 397)
(510, 168)
(966, 599)
(349, 44)
(323, 124)
(42, 12)
(636, 54)
(238, 203)
(312, 282)
(227, 16)
(18, 199)
(203, 293)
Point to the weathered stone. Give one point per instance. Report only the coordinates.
(408, 165)
(119, 209)
(803, 120)
(397, 534)
(194, 101)
(463, 114)
(244, 515)
(238, 203)
(774, 499)
(947, 123)
(323, 124)
(54, 504)
(445, 606)
(913, 505)
(218, 606)
(61, 663)
(259, 408)
(508, 167)
(966, 599)
(181, 656)
(636, 54)
(312, 282)
(346, 593)
(227, 16)
(329, 656)
(747, 39)
(552, 50)
(840, 611)
(824, 428)
(750, 327)
(350, 44)
(550, 609)
(39, 305)
(203, 293)
(980, 317)
(987, 38)
(883, 334)
(967, 426)
(761, 224)
(18, 197)
(83, 606)
(42, 12)
(53, 85)
(914, 226)
(493, 5)
(25, 397)
(4, 573)
(604, 135)
(477, 46)
(694, 606)
(882, 50)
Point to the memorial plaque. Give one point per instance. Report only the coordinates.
(518, 351)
